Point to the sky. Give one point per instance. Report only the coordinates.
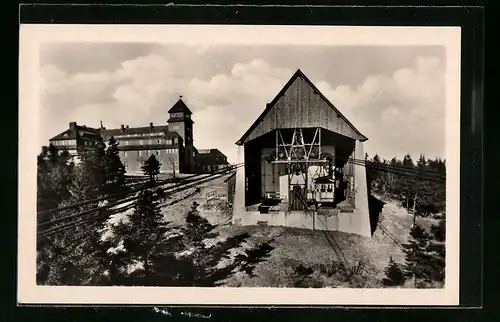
(395, 95)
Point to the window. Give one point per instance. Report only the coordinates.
(158, 141)
(140, 153)
(125, 153)
(157, 152)
(194, 154)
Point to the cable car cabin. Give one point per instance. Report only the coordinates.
(324, 189)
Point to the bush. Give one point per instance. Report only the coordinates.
(394, 274)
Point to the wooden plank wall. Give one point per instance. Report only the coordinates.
(301, 107)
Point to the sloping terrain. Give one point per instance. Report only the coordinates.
(336, 259)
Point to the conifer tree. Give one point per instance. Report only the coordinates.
(425, 259)
(54, 171)
(87, 183)
(439, 231)
(96, 165)
(114, 168)
(151, 168)
(146, 223)
(394, 274)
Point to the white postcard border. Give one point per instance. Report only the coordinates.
(32, 36)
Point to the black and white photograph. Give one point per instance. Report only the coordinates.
(239, 164)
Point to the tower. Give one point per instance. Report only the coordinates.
(180, 121)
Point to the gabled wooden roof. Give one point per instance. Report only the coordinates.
(270, 105)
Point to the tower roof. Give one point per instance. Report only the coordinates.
(180, 107)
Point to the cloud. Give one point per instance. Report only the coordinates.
(393, 109)
(398, 112)
(143, 89)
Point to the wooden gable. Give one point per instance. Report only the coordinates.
(299, 105)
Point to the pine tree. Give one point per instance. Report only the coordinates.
(54, 171)
(151, 168)
(96, 165)
(114, 168)
(146, 223)
(74, 260)
(425, 259)
(196, 230)
(439, 231)
(394, 274)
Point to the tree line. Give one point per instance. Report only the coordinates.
(167, 254)
(63, 180)
(415, 190)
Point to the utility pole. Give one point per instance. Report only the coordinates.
(414, 209)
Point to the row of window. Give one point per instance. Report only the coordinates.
(89, 143)
(138, 135)
(64, 142)
(180, 115)
(150, 152)
(151, 141)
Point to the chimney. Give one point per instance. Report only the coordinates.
(123, 127)
(72, 125)
(126, 127)
(45, 149)
(151, 125)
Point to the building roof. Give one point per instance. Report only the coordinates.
(211, 157)
(270, 105)
(210, 151)
(179, 107)
(140, 130)
(78, 131)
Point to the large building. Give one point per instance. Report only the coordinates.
(172, 143)
(210, 160)
(76, 139)
(299, 168)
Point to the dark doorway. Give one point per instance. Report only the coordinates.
(252, 174)
(374, 208)
(297, 197)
